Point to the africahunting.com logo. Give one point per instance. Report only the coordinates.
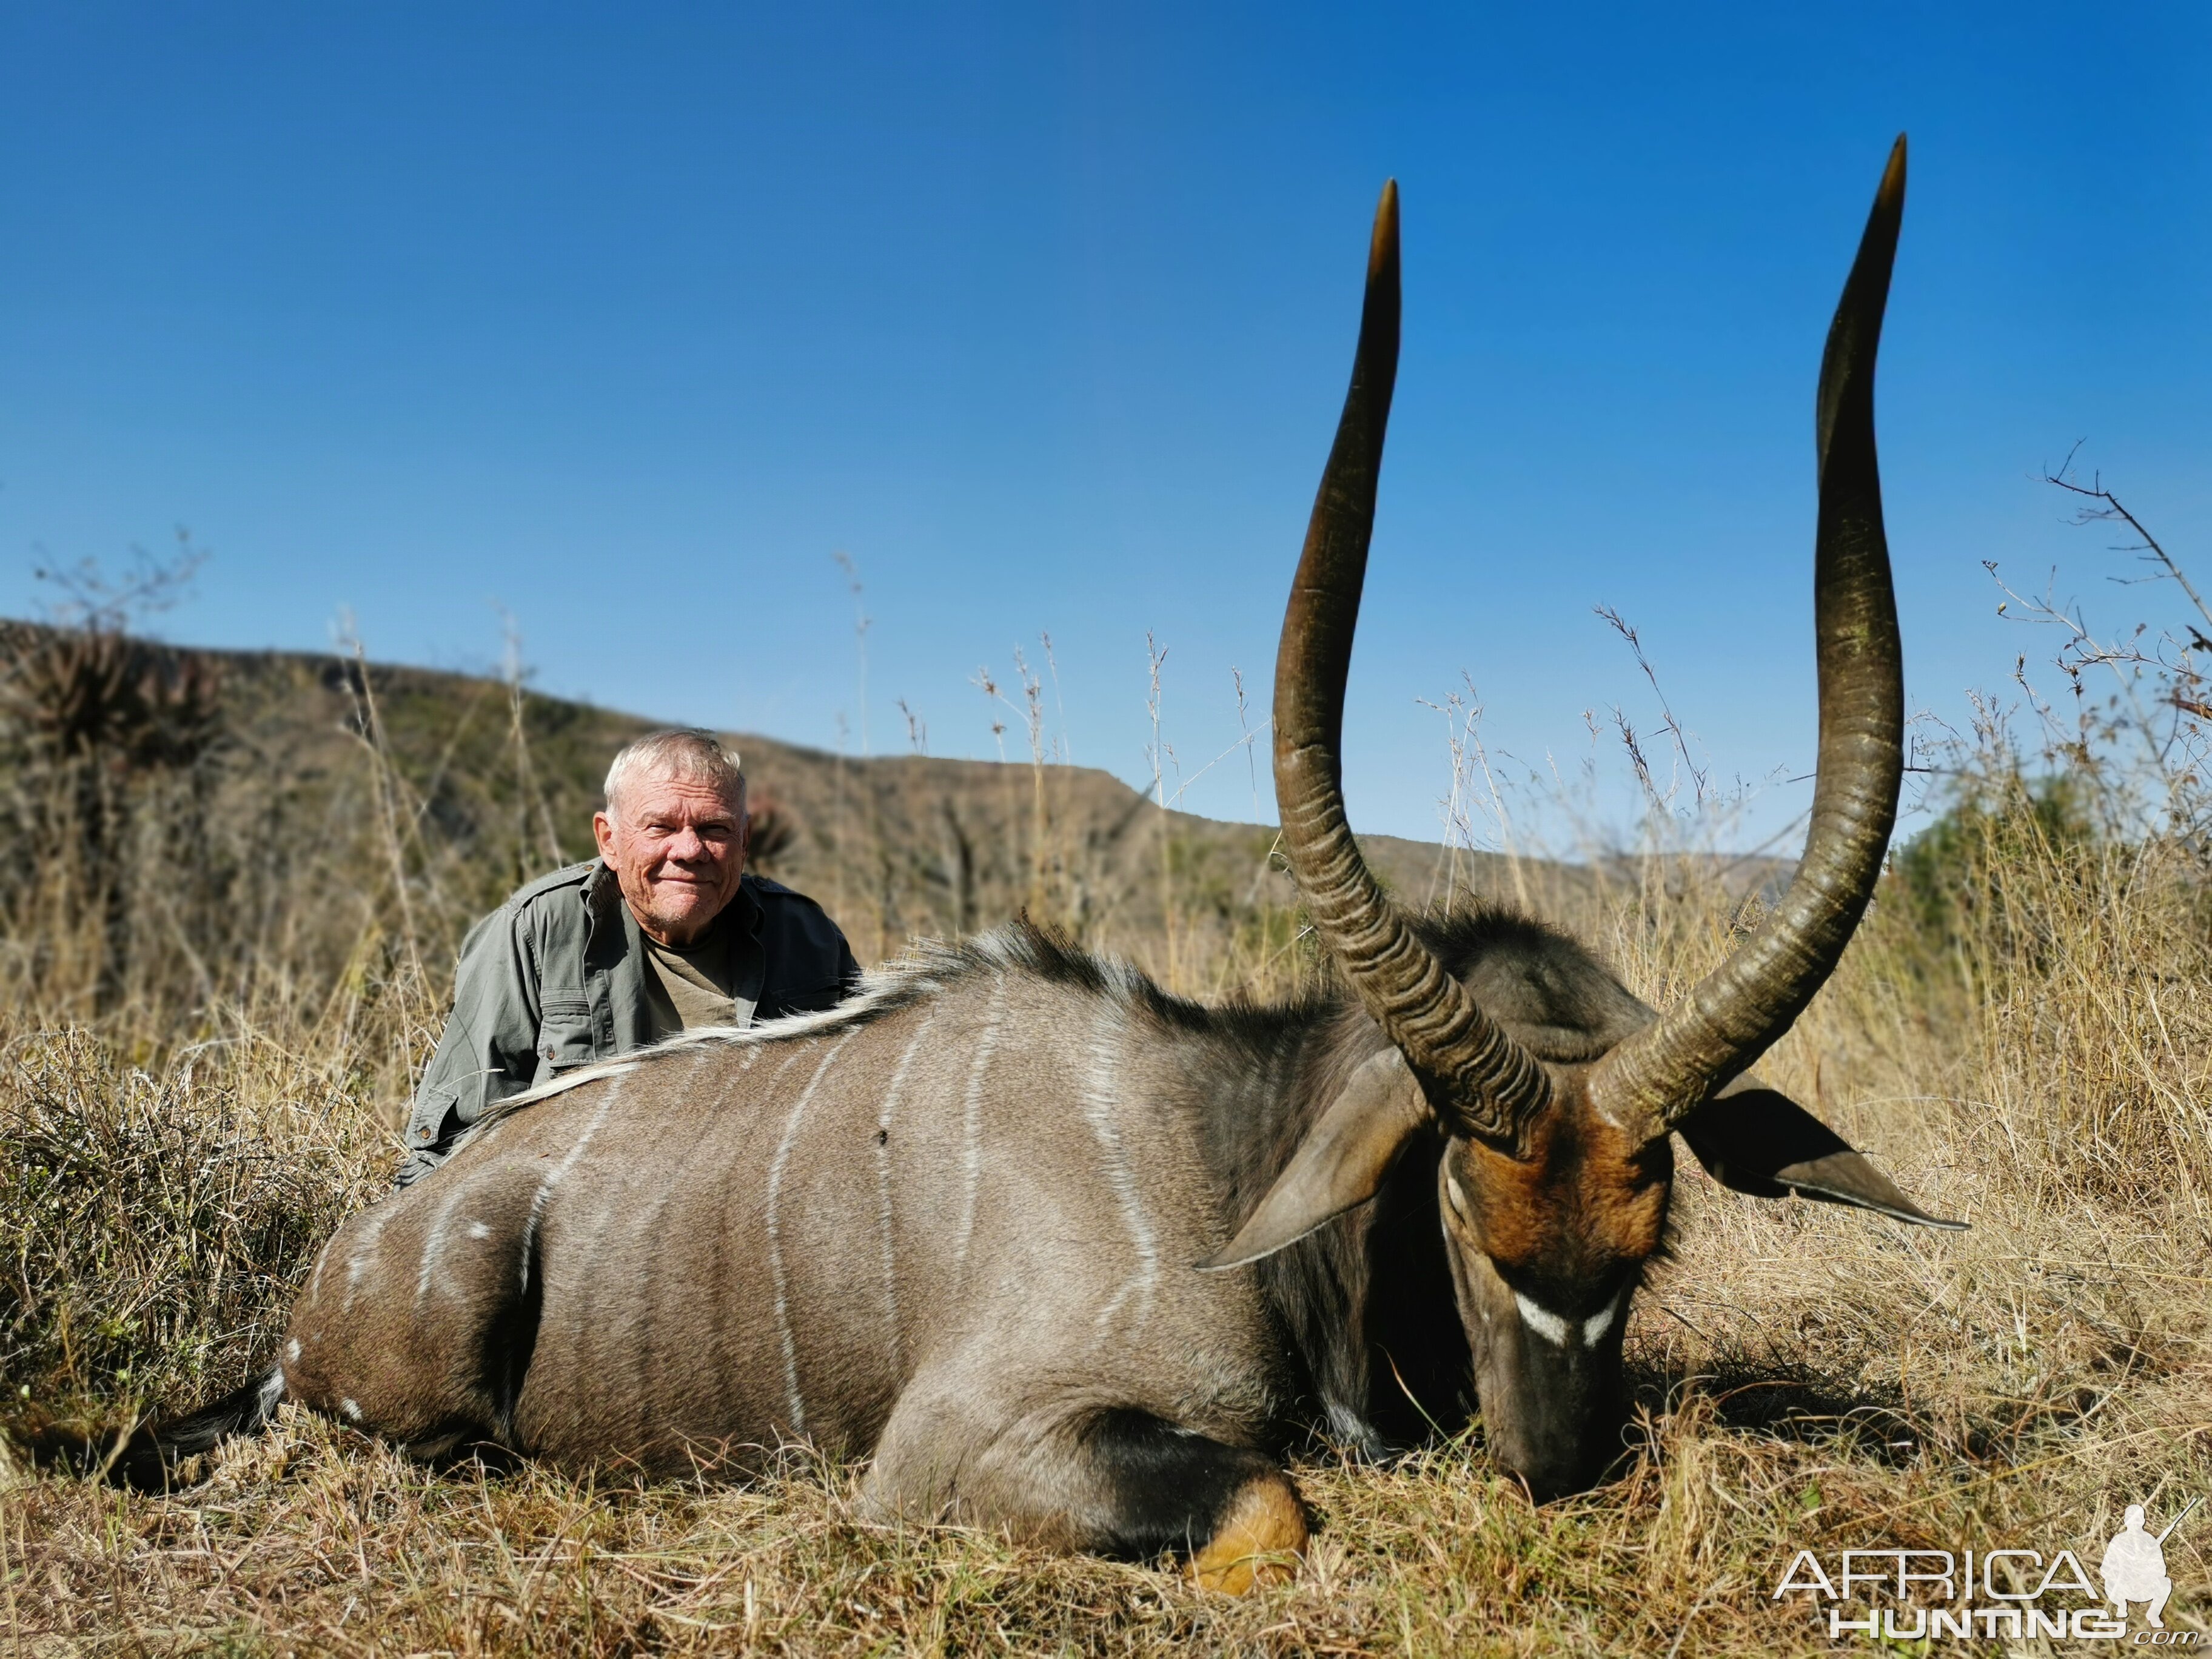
(1886, 1594)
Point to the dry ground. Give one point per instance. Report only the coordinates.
(1807, 1381)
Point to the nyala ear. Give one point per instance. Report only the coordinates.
(1341, 1162)
(1758, 1141)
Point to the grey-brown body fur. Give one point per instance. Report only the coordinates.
(949, 1227)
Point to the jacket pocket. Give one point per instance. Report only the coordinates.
(564, 1036)
(435, 1120)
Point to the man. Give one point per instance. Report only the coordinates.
(664, 932)
(2135, 1570)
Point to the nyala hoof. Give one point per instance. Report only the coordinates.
(1261, 1541)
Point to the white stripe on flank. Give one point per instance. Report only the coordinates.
(554, 1178)
(1101, 1106)
(971, 1119)
(364, 1250)
(776, 1239)
(1542, 1321)
(433, 1240)
(883, 1182)
(645, 1221)
(613, 1199)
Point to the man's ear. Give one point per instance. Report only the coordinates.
(1341, 1162)
(1759, 1141)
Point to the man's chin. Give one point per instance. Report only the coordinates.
(682, 921)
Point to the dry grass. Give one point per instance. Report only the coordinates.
(1806, 1381)
(2038, 1058)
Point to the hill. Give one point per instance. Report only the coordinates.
(349, 817)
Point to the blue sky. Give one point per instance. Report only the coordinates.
(629, 319)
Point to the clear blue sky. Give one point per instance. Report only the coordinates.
(629, 318)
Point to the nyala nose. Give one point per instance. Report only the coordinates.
(1559, 1479)
(1559, 1458)
(1559, 1472)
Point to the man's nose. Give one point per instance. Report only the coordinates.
(685, 846)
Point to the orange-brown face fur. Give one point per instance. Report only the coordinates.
(1588, 1201)
(1546, 1252)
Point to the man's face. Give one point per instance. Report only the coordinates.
(678, 846)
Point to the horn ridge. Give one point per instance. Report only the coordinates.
(1483, 1081)
(1732, 1016)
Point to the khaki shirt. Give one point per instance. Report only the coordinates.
(699, 984)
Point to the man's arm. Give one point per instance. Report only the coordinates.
(489, 1048)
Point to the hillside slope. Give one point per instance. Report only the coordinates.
(330, 786)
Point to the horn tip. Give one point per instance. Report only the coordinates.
(1383, 251)
(1893, 175)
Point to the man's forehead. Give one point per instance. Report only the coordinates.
(656, 793)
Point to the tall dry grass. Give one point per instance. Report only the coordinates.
(2021, 1033)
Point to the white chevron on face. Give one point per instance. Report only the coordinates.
(1555, 1328)
(1542, 1321)
(1599, 1322)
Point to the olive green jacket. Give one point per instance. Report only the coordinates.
(556, 978)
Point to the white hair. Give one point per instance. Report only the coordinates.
(681, 752)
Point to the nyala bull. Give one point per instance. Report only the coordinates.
(1059, 1253)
